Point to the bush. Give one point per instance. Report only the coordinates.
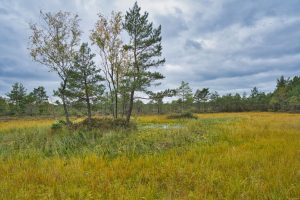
(58, 125)
(186, 115)
(104, 124)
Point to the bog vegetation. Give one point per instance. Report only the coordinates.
(217, 156)
(101, 139)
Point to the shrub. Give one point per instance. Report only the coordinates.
(186, 115)
(104, 124)
(58, 125)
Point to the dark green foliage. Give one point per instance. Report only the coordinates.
(40, 95)
(85, 80)
(21, 103)
(17, 98)
(145, 46)
(4, 108)
(58, 125)
(38, 100)
(286, 95)
(201, 96)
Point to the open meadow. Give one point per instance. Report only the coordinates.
(217, 156)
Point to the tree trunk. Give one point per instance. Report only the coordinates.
(116, 104)
(89, 108)
(130, 107)
(124, 104)
(66, 110)
(64, 103)
(87, 99)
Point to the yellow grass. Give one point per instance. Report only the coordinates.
(24, 123)
(240, 156)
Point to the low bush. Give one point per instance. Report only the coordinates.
(104, 124)
(186, 115)
(58, 125)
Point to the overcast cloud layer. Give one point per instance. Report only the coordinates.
(226, 45)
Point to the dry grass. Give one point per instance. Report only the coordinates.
(229, 156)
(24, 123)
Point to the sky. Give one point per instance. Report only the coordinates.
(226, 45)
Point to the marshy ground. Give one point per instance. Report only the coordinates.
(217, 156)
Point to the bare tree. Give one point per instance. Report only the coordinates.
(53, 43)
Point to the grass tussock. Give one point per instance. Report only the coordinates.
(186, 115)
(219, 156)
(104, 124)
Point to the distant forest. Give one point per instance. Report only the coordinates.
(285, 98)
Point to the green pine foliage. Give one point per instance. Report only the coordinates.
(85, 83)
(146, 49)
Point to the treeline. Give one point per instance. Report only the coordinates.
(19, 102)
(285, 98)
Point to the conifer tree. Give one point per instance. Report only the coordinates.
(145, 46)
(17, 98)
(85, 79)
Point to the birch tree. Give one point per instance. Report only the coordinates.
(53, 43)
(107, 36)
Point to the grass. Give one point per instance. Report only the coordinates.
(218, 156)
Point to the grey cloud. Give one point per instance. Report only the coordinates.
(192, 44)
(173, 25)
(226, 45)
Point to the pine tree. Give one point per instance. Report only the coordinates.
(40, 98)
(85, 79)
(145, 46)
(17, 98)
(157, 97)
(185, 94)
(201, 96)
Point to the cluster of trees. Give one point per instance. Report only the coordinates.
(125, 68)
(19, 102)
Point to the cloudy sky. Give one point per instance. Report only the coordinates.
(226, 45)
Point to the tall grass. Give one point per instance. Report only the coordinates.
(218, 156)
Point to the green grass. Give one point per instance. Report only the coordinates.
(64, 143)
(217, 156)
